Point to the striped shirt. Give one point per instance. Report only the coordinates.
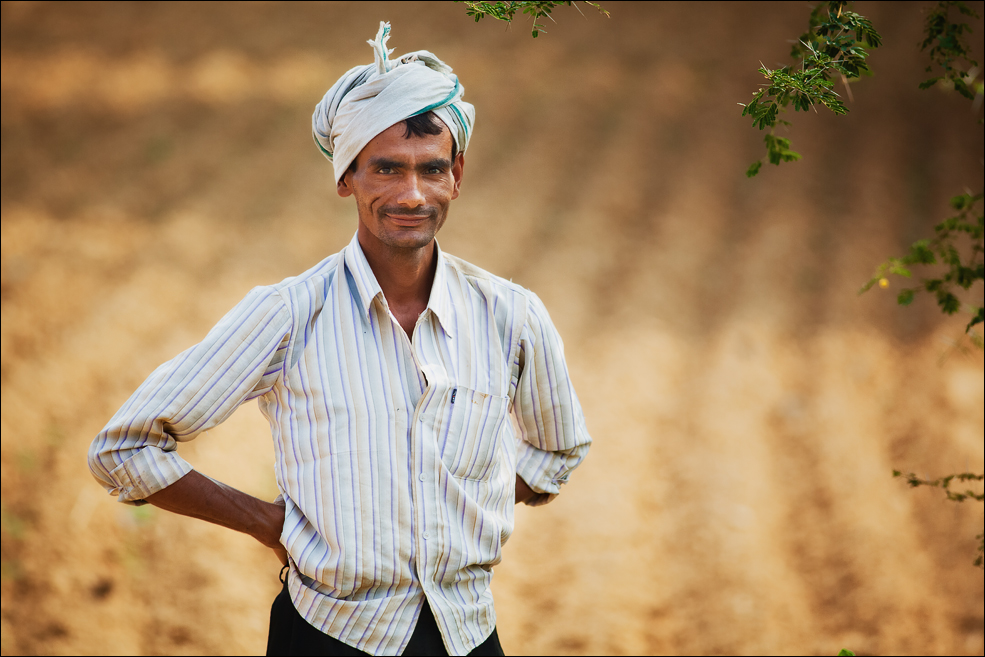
(396, 457)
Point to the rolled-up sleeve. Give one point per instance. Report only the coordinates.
(240, 359)
(554, 438)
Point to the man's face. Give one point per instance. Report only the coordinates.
(403, 187)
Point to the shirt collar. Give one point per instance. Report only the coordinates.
(367, 288)
(360, 275)
(440, 302)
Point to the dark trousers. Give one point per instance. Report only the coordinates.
(290, 634)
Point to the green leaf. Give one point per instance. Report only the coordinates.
(962, 201)
(897, 268)
(977, 319)
(845, 652)
(948, 48)
(905, 298)
(754, 168)
(920, 252)
(948, 302)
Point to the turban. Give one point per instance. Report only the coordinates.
(369, 99)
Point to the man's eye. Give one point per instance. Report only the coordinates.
(386, 170)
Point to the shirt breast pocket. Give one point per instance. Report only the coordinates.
(470, 434)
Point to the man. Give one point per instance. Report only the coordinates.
(412, 397)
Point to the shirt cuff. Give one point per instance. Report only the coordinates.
(543, 471)
(148, 471)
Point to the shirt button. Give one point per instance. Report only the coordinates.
(421, 476)
(427, 535)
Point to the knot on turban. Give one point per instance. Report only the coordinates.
(369, 99)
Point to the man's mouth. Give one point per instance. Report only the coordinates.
(407, 219)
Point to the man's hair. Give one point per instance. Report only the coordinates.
(422, 125)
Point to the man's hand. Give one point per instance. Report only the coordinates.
(197, 496)
(523, 491)
(278, 525)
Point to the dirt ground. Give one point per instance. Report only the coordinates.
(747, 405)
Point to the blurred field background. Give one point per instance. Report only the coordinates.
(747, 406)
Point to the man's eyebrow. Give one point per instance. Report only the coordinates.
(384, 163)
(439, 163)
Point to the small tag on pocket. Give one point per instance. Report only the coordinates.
(453, 393)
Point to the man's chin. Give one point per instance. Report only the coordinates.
(409, 238)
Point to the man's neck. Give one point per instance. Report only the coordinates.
(404, 275)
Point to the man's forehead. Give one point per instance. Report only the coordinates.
(394, 143)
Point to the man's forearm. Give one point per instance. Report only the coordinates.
(198, 496)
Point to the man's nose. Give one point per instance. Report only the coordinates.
(411, 194)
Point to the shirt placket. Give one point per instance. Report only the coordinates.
(423, 451)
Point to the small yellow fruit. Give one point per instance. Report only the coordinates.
(883, 282)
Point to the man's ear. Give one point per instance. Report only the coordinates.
(342, 186)
(457, 171)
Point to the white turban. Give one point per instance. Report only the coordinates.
(369, 99)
